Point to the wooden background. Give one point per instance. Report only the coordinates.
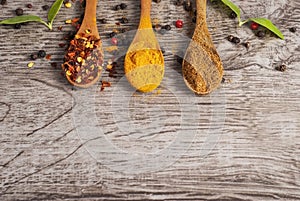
(239, 143)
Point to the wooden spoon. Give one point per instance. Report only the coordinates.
(84, 58)
(144, 61)
(202, 67)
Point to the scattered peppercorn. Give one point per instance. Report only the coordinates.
(229, 38)
(157, 1)
(112, 34)
(293, 29)
(254, 26)
(179, 2)
(61, 44)
(29, 5)
(247, 45)
(19, 11)
(261, 34)
(188, 5)
(45, 7)
(33, 56)
(3, 2)
(117, 7)
(236, 40)
(194, 20)
(18, 26)
(123, 6)
(232, 15)
(124, 20)
(102, 21)
(167, 27)
(41, 54)
(179, 24)
(281, 68)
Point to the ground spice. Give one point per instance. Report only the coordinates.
(144, 69)
(83, 60)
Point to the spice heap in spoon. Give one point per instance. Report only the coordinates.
(84, 58)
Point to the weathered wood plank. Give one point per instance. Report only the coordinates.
(239, 143)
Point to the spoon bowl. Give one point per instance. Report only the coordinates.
(144, 61)
(202, 67)
(84, 58)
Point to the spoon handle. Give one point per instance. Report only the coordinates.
(89, 21)
(201, 33)
(145, 20)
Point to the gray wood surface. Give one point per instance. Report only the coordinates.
(239, 143)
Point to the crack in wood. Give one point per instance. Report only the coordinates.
(59, 116)
(16, 156)
(7, 112)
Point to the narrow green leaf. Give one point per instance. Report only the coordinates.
(233, 7)
(22, 19)
(54, 10)
(269, 25)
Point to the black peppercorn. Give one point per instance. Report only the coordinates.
(102, 21)
(230, 37)
(3, 2)
(123, 6)
(41, 54)
(281, 68)
(124, 20)
(157, 1)
(45, 7)
(167, 27)
(260, 34)
(18, 26)
(117, 7)
(29, 5)
(19, 11)
(194, 20)
(293, 29)
(112, 34)
(179, 2)
(188, 6)
(236, 40)
(33, 56)
(247, 45)
(232, 15)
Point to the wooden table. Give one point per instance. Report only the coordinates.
(239, 143)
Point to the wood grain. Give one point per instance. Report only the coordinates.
(239, 143)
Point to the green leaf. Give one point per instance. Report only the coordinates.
(269, 25)
(233, 7)
(53, 11)
(23, 19)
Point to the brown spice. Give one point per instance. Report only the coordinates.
(84, 59)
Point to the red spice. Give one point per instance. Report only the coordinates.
(254, 26)
(48, 56)
(84, 59)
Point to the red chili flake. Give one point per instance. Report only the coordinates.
(76, 19)
(48, 56)
(84, 59)
(59, 28)
(114, 41)
(118, 23)
(104, 84)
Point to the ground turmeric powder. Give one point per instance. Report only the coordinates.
(144, 68)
